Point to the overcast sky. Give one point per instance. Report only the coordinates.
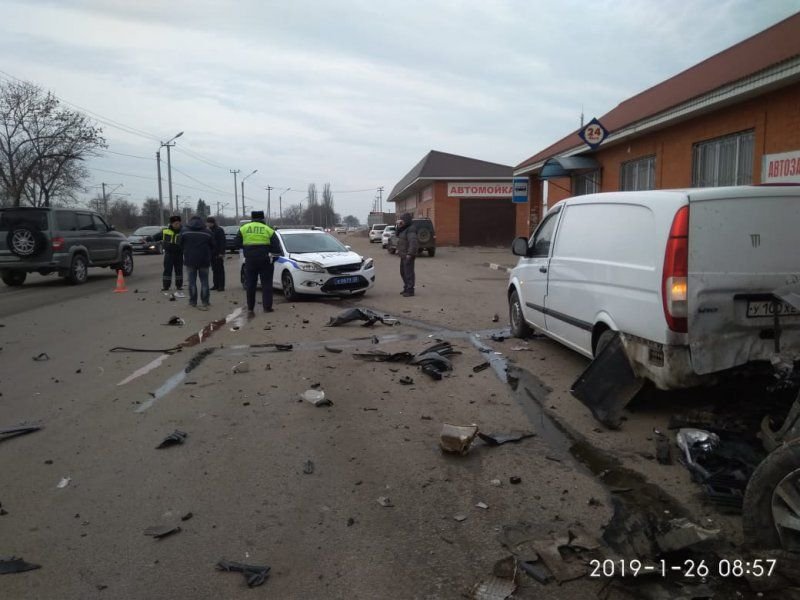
(351, 92)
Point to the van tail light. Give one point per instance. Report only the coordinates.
(58, 243)
(674, 281)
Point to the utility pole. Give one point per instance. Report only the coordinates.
(235, 192)
(169, 144)
(380, 200)
(269, 188)
(243, 180)
(105, 201)
(160, 196)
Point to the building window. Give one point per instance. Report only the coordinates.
(586, 183)
(639, 174)
(723, 161)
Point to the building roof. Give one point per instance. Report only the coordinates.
(774, 45)
(441, 165)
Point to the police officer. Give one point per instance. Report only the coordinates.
(258, 240)
(173, 254)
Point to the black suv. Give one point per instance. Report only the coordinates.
(59, 240)
(426, 236)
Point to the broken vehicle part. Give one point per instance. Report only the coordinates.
(696, 444)
(356, 314)
(494, 588)
(333, 349)
(406, 380)
(176, 321)
(380, 356)
(12, 564)
(790, 430)
(550, 554)
(481, 367)
(457, 438)
(498, 439)
(8, 433)
(608, 384)
(537, 570)
(683, 534)
(385, 501)
(241, 367)
(64, 482)
(308, 467)
(316, 397)
(433, 372)
(173, 439)
(41, 357)
(161, 531)
(255, 575)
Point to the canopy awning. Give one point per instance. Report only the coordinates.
(568, 165)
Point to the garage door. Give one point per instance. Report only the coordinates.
(487, 222)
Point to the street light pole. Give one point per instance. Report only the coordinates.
(160, 196)
(243, 180)
(269, 188)
(280, 204)
(236, 192)
(169, 143)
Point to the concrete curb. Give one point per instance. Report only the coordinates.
(497, 267)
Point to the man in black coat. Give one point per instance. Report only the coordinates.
(218, 260)
(198, 248)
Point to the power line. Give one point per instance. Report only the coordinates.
(199, 157)
(129, 155)
(212, 188)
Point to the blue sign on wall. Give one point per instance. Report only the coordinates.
(520, 193)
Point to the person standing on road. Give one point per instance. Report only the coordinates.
(173, 256)
(198, 248)
(258, 241)
(407, 248)
(218, 262)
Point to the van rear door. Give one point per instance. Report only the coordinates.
(743, 245)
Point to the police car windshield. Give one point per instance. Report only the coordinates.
(303, 243)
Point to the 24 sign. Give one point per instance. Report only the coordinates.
(593, 134)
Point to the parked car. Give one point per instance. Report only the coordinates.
(426, 237)
(142, 240)
(687, 277)
(341, 229)
(316, 263)
(58, 240)
(375, 232)
(387, 233)
(230, 237)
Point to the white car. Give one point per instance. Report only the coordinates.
(341, 229)
(387, 233)
(316, 263)
(376, 231)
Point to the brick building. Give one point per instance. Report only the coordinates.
(733, 119)
(468, 200)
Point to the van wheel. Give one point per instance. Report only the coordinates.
(604, 340)
(25, 242)
(78, 270)
(14, 278)
(770, 512)
(519, 328)
(288, 286)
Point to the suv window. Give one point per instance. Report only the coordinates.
(99, 224)
(85, 222)
(543, 238)
(12, 217)
(66, 221)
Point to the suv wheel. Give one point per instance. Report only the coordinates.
(78, 270)
(424, 236)
(126, 266)
(25, 241)
(14, 278)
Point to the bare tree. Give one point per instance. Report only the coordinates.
(351, 221)
(293, 215)
(123, 214)
(41, 142)
(151, 210)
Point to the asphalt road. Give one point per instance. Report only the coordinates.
(241, 471)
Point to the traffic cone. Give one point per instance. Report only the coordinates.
(120, 283)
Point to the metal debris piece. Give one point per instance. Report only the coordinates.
(10, 432)
(255, 575)
(333, 349)
(457, 438)
(380, 356)
(548, 551)
(187, 516)
(356, 314)
(242, 367)
(481, 367)
(683, 534)
(696, 444)
(406, 380)
(316, 397)
(176, 321)
(385, 501)
(537, 570)
(460, 517)
(433, 372)
(498, 439)
(12, 564)
(161, 531)
(497, 338)
(514, 479)
(495, 318)
(501, 584)
(496, 482)
(482, 505)
(173, 439)
(41, 357)
(64, 482)
(308, 467)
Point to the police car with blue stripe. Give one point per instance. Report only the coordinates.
(316, 263)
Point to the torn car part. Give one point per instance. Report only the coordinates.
(12, 564)
(695, 444)
(481, 367)
(498, 439)
(790, 430)
(683, 534)
(356, 314)
(173, 439)
(380, 356)
(161, 531)
(457, 438)
(316, 397)
(255, 575)
(175, 321)
(608, 384)
(8, 433)
(41, 357)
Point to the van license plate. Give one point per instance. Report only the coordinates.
(765, 308)
(346, 280)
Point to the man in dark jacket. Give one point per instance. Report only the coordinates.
(173, 257)
(407, 249)
(258, 241)
(218, 261)
(198, 248)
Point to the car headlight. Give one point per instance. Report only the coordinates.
(311, 267)
(368, 264)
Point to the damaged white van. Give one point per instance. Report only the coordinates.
(695, 281)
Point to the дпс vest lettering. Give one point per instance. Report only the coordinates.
(256, 234)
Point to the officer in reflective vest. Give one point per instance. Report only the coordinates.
(258, 242)
(173, 253)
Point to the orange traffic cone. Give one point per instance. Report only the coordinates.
(120, 283)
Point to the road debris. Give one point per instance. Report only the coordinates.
(315, 397)
(457, 438)
(498, 439)
(161, 531)
(663, 450)
(385, 501)
(514, 480)
(64, 482)
(696, 444)
(175, 321)
(308, 467)
(255, 575)
(481, 367)
(683, 534)
(41, 357)
(406, 380)
(12, 564)
(8, 433)
(186, 516)
(241, 367)
(495, 318)
(460, 517)
(496, 482)
(173, 439)
(356, 314)
(608, 384)
(333, 349)
(482, 505)
(501, 584)
(381, 356)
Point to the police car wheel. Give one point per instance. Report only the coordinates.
(288, 286)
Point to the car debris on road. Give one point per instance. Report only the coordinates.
(255, 575)
(13, 564)
(173, 439)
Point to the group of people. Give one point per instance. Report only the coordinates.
(200, 247)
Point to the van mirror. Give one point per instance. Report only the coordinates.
(520, 247)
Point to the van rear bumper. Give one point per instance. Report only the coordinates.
(669, 367)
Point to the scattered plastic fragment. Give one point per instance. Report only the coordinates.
(333, 349)
(456, 438)
(481, 367)
(161, 531)
(173, 439)
(515, 479)
(356, 314)
(385, 501)
(316, 397)
(12, 564)
(176, 321)
(683, 534)
(495, 318)
(10, 432)
(498, 439)
(41, 357)
(497, 338)
(496, 482)
(187, 516)
(482, 505)
(695, 445)
(406, 380)
(64, 482)
(242, 367)
(460, 517)
(308, 467)
(380, 356)
(255, 575)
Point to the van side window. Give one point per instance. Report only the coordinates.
(543, 238)
(85, 222)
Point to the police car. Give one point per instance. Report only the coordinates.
(316, 263)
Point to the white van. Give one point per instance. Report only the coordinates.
(686, 276)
